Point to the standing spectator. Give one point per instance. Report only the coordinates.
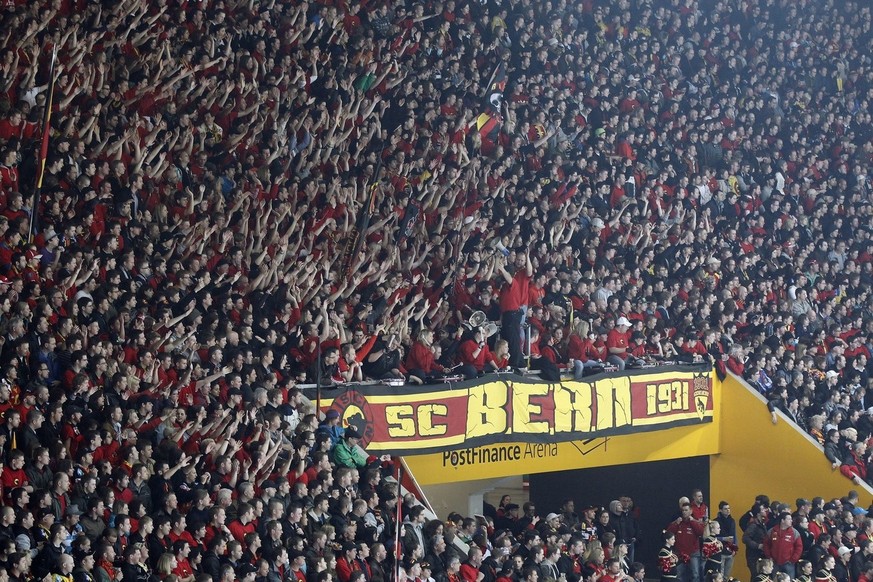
(513, 303)
(841, 565)
(820, 550)
(712, 549)
(699, 509)
(688, 535)
(859, 560)
(806, 536)
(754, 536)
(668, 560)
(783, 545)
(727, 535)
(625, 525)
(571, 563)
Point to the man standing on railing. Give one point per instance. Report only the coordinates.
(513, 301)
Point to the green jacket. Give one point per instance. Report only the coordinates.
(346, 456)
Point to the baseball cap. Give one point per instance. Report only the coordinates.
(552, 516)
(844, 550)
(294, 554)
(623, 321)
(246, 570)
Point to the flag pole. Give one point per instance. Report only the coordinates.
(355, 241)
(491, 80)
(398, 522)
(43, 149)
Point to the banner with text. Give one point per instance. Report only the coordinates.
(410, 420)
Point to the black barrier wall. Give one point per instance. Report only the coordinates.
(655, 487)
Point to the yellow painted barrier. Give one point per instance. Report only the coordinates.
(506, 459)
(494, 462)
(502, 417)
(758, 457)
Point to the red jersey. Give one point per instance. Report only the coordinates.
(465, 354)
(617, 339)
(513, 297)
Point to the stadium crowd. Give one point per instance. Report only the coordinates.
(239, 196)
(815, 539)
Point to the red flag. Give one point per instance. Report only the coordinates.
(489, 126)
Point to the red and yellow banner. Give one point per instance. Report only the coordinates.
(506, 408)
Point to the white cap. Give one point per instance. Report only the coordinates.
(623, 321)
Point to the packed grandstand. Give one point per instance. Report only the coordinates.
(241, 196)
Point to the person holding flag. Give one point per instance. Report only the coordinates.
(489, 123)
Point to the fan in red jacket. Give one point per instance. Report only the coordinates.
(474, 355)
(347, 563)
(470, 569)
(854, 466)
(688, 533)
(421, 360)
(783, 543)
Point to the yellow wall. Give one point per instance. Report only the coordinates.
(760, 457)
(660, 445)
(749, 455)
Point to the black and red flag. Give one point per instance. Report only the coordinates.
(497, 86)
(44, 145)
(355, 241)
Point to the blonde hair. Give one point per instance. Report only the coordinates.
(165, 564)
(581, 327)
(707, 529)
(594, 550)
(763, 563)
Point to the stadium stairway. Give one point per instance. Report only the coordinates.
(745, 453)
(760, 457)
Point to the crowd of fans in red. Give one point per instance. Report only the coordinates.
(667, 180)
